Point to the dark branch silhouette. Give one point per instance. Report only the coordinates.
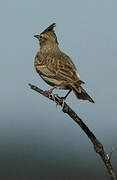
(98, 147)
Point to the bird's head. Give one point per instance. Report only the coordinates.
(48, 36)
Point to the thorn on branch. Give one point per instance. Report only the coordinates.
(109, 155)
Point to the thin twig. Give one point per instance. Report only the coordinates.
(111, 151)
(98, 147)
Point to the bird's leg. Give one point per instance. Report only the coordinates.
(61, 99)
(64, 98)
(67, 94)
(49, 92)
(54, 96)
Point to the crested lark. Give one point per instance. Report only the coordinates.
(55, 67)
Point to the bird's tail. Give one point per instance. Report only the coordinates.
(81, 93)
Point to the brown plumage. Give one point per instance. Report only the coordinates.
(55, 67)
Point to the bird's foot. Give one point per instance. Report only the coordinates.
(59, 100)
(49, 93)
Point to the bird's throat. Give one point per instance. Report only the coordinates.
(49, 47)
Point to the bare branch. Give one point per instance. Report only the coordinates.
(98, 147)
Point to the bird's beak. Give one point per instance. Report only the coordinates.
(36, 36)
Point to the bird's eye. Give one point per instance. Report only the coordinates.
(41, 36)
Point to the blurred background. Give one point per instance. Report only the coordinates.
(38, 141)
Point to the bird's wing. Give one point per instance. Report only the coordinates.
(62, 67)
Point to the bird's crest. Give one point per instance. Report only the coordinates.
(50, 28)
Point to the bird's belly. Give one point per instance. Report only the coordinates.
(54, 82)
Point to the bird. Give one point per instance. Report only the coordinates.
(56, 68)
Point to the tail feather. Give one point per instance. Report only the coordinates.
(81, 93)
